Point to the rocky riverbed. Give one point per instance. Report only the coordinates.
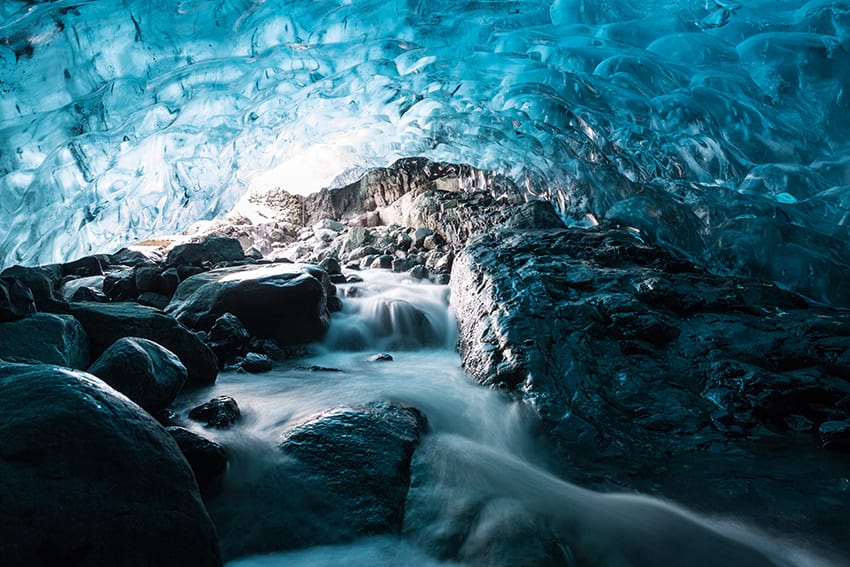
(626, 367)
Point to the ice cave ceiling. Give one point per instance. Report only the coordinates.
(713, 126)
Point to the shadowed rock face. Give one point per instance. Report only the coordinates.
(87, 478)
(105, 323)
(640, 364)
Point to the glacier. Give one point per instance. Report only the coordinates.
(716, 127)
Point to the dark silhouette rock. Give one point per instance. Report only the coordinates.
(16, 300)
(142, 370)
(211, 250)
(285, 302)
(153, 299)
(85, 267)
(84, 472)
(219, 413)
(132, 258)
(355, 462)
(120, 285)
(42, 282)
(228, 337)
(207, 458)
(47, 338)
(105, 323)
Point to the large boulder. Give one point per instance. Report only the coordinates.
(142, 370)
(355, 462)
(46, 338)
(642, 366)
(42, 282)
(16, 300)
(108, 322)
(211, 250)
(286, 302)
(87, 478)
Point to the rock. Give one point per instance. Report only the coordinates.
(630, 354)
(535, 215)
(356, 237)
(142, 370)
(401, 265)
(432, 242)
(105, 323)
(419, 272)
(284, 302)
(384, 262)
(84, 472)
(168, 281)
(835, 435)
(355, 463)
(153, 299)
(212, 250)
(88, 294)
(85, 267)
(219, 413)
(120, 285)
(47, 338)
(419, 236)
(42, 281)
(207, 458)
(331, 266)
(132, 258)
(228, 337)
(186, 271)
(381, 357)
(146, 278)
(256, 363)
(71, 288)
(16, 300)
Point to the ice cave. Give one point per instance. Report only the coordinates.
(372, 282)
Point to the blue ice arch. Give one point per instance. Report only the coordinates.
(717, 127)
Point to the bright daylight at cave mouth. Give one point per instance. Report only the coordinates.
(372, 282)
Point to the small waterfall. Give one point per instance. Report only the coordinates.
(389, 311)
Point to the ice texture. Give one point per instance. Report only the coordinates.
(717, 127)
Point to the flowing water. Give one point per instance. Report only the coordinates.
(478, 465)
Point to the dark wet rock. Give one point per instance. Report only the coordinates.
(419, 236)
(331, 266)
(167, 417)
(72, 285)
(228, 337)
(401, 265)
(42, 282)
(353, 278)
(168, 281)
(105, 323)
(534, 215)
(132, 258)
(630, 353)
(86, 267)
(16, 300)
(285, 302)
(384, 261)
(207, 458)
(220, 413)
(147, 278)
(142, 370)
(120, 285)
(211, 250)
(153, 299)
(186, 271)
(84, 472)
(381, 357)
(419, 272)
(316, 368)
(88, 294)
(256, 363)
(47, 338)
(355, 463)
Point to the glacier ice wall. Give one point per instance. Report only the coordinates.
(718, 127)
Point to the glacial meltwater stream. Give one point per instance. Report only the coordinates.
(479, 492)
